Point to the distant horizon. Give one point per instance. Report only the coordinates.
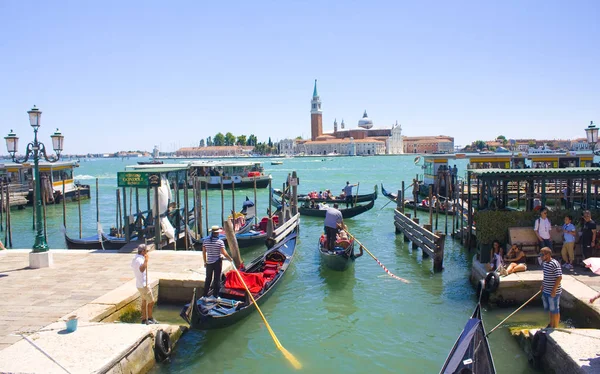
(112, 74)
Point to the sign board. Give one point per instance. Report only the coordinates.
(138, 179)
(293, 182)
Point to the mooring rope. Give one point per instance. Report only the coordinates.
(379, 262)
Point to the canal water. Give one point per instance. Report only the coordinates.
(360, 320)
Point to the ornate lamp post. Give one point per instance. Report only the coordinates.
(592, 137)
(36, 149)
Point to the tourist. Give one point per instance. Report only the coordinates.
(588, 237)
(320, 194)
(568, 248)
(495, 256)
(415, 190)
(516, 259)
(325, 195)
(542, 228)
(333, 221)
(139, 264)
(212, 249)
(551, 286)
(348, 194)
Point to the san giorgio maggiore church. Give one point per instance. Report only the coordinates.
(358, 141)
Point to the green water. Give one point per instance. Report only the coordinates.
(360, 320)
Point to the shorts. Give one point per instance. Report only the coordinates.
(146, 294)
(551, 304)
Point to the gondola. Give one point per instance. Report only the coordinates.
(233, 304)
(346, 213)
(471, 352)
(92, 242)
(341, 257)
(359, 198)
(409, 204)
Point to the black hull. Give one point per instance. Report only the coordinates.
(409, 205)
(359, 198)
(471, 353)
(192, 312)
(336, 261)
(94, 243)
(346, 213)
(245, 242)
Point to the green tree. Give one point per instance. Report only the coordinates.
(479, 144)
(298, 138)
(229, 139)
(209, 142)
(501, 137)
(241, 140)
(201, 144)
(219, 139)
(270, 142)
(252, 140)
(531, 144)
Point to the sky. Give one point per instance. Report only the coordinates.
(128, 75)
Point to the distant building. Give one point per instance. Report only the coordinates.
(287, 146)
(428, 144)
(579, 144)
(362, 140)
(215, 151)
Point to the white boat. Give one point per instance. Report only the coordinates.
(241, 174)
(58, 176)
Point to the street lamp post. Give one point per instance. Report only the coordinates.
(36, 149)
(591, 133)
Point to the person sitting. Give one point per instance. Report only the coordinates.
(325, 195)
(425, 202)
(516, 259)
(342, 195)
(320, 194)
(495, 257)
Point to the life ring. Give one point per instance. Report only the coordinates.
(492, 281)
(538, 348)
(162, 346)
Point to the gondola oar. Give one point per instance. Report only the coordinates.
(375, 258)
(290, 357)
(510, 315)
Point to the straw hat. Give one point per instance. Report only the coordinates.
(215, 229)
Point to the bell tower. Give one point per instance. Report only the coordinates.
(316, 115)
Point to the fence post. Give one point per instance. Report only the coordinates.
(438, 259)
(415, 245)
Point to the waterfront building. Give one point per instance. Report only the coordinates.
(362, 140)
(428, 144)
(287, 147)
(215, 151)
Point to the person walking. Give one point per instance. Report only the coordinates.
(139, 264)
(212, 249)
(333, 221)
(542, 228)
(551, 289)
(588, 237)
(348, 194)
(568, 248)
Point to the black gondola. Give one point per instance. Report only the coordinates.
(358, 198)
(471, 352)
(92, 242)
(409, 204)
(233, 304)
(346, 213)
(341, 257)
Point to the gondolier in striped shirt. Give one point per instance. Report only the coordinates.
(551, 289)
(212, 249)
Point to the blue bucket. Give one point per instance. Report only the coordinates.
(72, 324)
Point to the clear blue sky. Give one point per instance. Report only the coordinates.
(120, 75)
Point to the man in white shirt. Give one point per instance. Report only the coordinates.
(542, 229)
(139, 264)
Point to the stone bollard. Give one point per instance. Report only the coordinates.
(438, 259)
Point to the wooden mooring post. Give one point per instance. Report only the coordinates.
(431, 244)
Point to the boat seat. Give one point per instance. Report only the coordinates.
(269, 273)
(235, 294)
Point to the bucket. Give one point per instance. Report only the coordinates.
(72, 324)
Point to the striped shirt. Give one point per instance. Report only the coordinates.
(213, 247)
(551, 272)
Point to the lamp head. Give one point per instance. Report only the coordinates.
(12, 143)
(592, 133)
(57, 141)
(35, 115)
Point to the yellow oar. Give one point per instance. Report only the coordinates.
(375, 258)
(290, 357)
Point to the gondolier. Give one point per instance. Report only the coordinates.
(212, 249)
(333, 221)
(348, 194)
(139, 264)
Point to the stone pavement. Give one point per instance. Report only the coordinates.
(33, 298)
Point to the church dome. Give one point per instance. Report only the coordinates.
(365, 122)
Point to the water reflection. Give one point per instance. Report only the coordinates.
(338, 289)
